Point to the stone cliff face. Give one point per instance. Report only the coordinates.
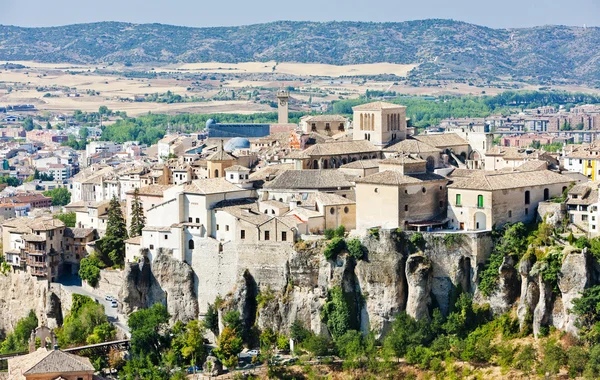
(20, 293)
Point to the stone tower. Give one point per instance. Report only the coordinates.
(380, 123)
(283, 96)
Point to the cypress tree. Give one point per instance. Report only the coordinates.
(112, 245)
(138, 220)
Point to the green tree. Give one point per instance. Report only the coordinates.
(193, 343)
(83, 133)
(336, 313)
(86, 320)
(138, 220)
(112, 245)
(28, 124)
(60, 196)
(89, 269)
(18, 340)
(69, 218)
(211, 319)
(149, 332)
(48, 125)
(229, 345)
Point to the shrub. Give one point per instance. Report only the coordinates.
(298, 332)
(417, 239)
(356, 249)
(526, 359)
(89, 270)
(577, 358)
(283, 342)
(336, 313)
(329, 233)
(335, 246)
(340, 231)
(317, 345)
(554, 358)
(374, 232)
(450, 240)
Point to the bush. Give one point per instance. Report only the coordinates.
(577, 358)
(317, 345)
(592, 368)
(89, 269)
(340, 231)
(329, 233)
(356, 249)
(336, 313)
(554, 358)
(374, 232)
(298, 332)
(417, 240)
(335, 246)
(526, 358)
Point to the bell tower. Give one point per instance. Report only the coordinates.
(284, 97)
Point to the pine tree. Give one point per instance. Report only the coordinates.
(112, 245)
(138, 220)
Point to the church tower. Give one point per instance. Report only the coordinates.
(380, 123)
(283, 96)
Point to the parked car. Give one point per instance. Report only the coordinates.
(108, 298)
(114, 303)
(194, 369)
(253, 352)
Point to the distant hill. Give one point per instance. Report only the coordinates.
(443, 48)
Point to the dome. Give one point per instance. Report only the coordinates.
(237, 143)
(209, 122)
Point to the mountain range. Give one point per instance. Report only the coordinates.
(441, 48)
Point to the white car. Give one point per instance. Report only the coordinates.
(108, 298)
(114, 303)
(253, 352)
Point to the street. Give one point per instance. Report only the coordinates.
(73, 284)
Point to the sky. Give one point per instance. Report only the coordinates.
(201, 13)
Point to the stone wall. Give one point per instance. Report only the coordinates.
(110, 283)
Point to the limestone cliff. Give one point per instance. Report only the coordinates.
(20, 293)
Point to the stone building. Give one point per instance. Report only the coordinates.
(331, 155)
(488, 199)
(324, 124)
(582, 208)
(53, 364)
(402, 195)
(293, 185)
(416, 148)
(77, 247)
(219, 161)
(379, 122)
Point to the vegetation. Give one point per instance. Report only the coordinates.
(138, 220)
(18, 339)
(230, 340)
(356, 249)
(69, 218)
(112, 245)
(86, 323)
(10, 181)
(334, 248)
(89, 269)
(60, 196)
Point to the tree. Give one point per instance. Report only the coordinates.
(36, 174)
(336, 313)
(18, 340)
(89, 269)
(60, 196)
(48, 125)
(83, 133)
(149, 333)
(112, 245)
(138, 220)
(230, 341)
(28, 124)
(211, 319)
(193, 343)
(69, 219)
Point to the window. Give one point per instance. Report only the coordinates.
(332, 211)
(242, 234)
(441, 204)
(227, 227)
(546, 194)
(584, 217)
(151, 246)
(405, 207)
(283, 235)
(190, 219)
(527, 197)
(526, 211)
(376, 190)
(509, 213)
(217, 227)
(231, 176)
(166, 237)
(191, 244)
(197, 220)
(346, 210)
(458, 200)
(480, 201)
(424, 190)
(267, 235)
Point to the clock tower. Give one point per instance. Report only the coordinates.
(283, 98)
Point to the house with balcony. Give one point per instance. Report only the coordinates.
(582, 208)
(34, 245)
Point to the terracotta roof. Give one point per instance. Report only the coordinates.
(309, 179)
(329, 199)
(441, 140)
(510, 152)
(210, 186)
(34, 238)
(338, 118)
(137, 240)
(237, 168)
(376, 106)
(392, 177)
(49, 362)
(510, 180)
(220, 155)
(247, 212)
(152, 190)
(362, 164)
(412, 146)
(78, 233)
(268, 171)
(335, 148)
(404, 159)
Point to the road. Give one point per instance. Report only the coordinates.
(73, 284)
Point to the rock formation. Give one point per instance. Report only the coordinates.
(418, 277)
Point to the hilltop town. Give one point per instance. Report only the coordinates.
(270, 220)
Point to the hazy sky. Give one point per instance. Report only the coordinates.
(503, 13)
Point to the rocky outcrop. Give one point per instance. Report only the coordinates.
(136, 286)
(574, 277)
(172, 284)
(21, 293)
(418, 277)
(508, 287)
(530, 293)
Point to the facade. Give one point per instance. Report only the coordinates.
(485, 200)
(379, 122)
(582, 208)
(402, 195)
(332, 155)
(327, 125)
(76, 245)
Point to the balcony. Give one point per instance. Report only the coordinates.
(36, 264)
(38, 272)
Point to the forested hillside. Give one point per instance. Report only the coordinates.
(443, 48)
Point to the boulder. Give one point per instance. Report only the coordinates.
(418, 276)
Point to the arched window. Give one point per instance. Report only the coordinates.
(527, 197)
(191, 244)
(315, 164)
(546, 194)
(216, 173)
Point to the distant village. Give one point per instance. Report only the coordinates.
(285, 182)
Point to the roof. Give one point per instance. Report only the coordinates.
(339, 118)
(362, 164)
(268, 171)
(210, 186)
(220, 155)
(376, 106)
(78, 233)
(309, 179)
(510, 180)
(137, 240)
(441, 140)
(43, 361)
(152, 190)
(32, 237)
(329, 199)
(404, 159)
(395, 178)
(510, 152)
(237, 168)
(412, 146)
(335, 148)
(247, 212)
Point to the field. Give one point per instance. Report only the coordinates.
(52, 87)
